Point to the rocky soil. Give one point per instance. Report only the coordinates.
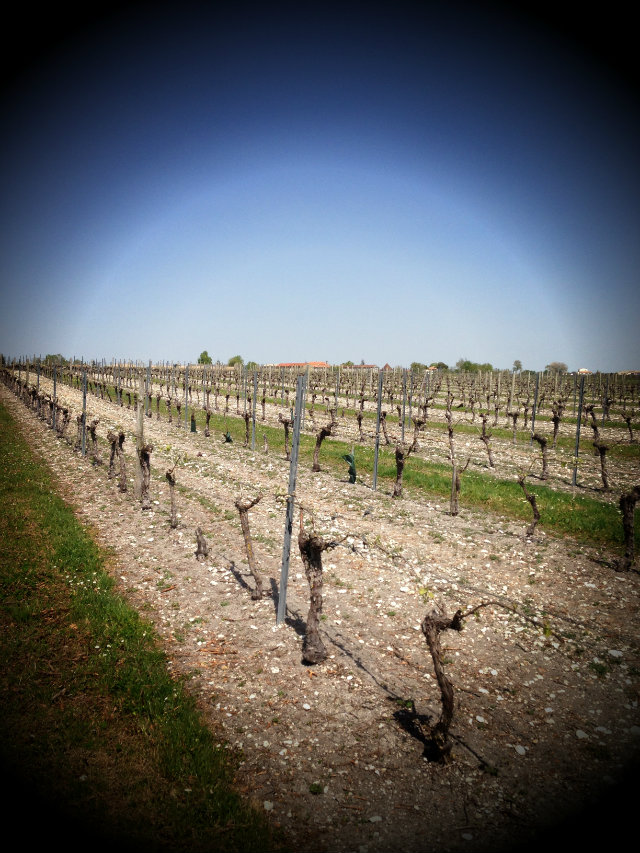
(546, 678)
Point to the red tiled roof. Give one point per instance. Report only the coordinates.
(303, 364)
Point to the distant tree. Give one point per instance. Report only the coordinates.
(440, 365)
(417, 366)
(204, 358)
(557, 367)
(236, 359)
(55, 359)
(517, 365)
(466, 366)
(347, 364)
(252, 365)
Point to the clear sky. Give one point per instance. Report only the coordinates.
(392, 182)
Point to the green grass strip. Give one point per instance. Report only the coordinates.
(92, 719)
(580, 516)
(577, 515)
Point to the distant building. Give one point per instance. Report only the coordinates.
(303, 364)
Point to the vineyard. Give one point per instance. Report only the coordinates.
(444, 655)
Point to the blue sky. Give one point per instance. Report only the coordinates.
(388, 182)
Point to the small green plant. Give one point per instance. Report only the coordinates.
(315, 788)
(425, 594)
(164, 582)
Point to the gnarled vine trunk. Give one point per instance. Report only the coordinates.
(171, 480)
(243, 508)
(433, 624)
(542, 441)
(122, 476)
(402, 454)
(320, 437)
(144, 460)
(95, 453)
(627, 505)
(202, 548)
(532, 501)
(112, 438)
(286, 423)
(311, 548)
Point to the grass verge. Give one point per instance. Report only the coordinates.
(104, 745)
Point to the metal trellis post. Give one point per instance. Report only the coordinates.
(288, 527)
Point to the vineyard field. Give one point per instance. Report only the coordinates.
(545, 674)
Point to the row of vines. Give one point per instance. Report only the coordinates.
(400, 404)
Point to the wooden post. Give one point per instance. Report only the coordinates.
(55, 377)
(137, 488)
(535, 406)
(453, 502)
(186, 395)
(147, 390)
(84, 413)
(513, 389)
(253, 410)
(579, 422)
(404, 400)
(377, 449)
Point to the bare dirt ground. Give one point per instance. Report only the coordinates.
(546, 699)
